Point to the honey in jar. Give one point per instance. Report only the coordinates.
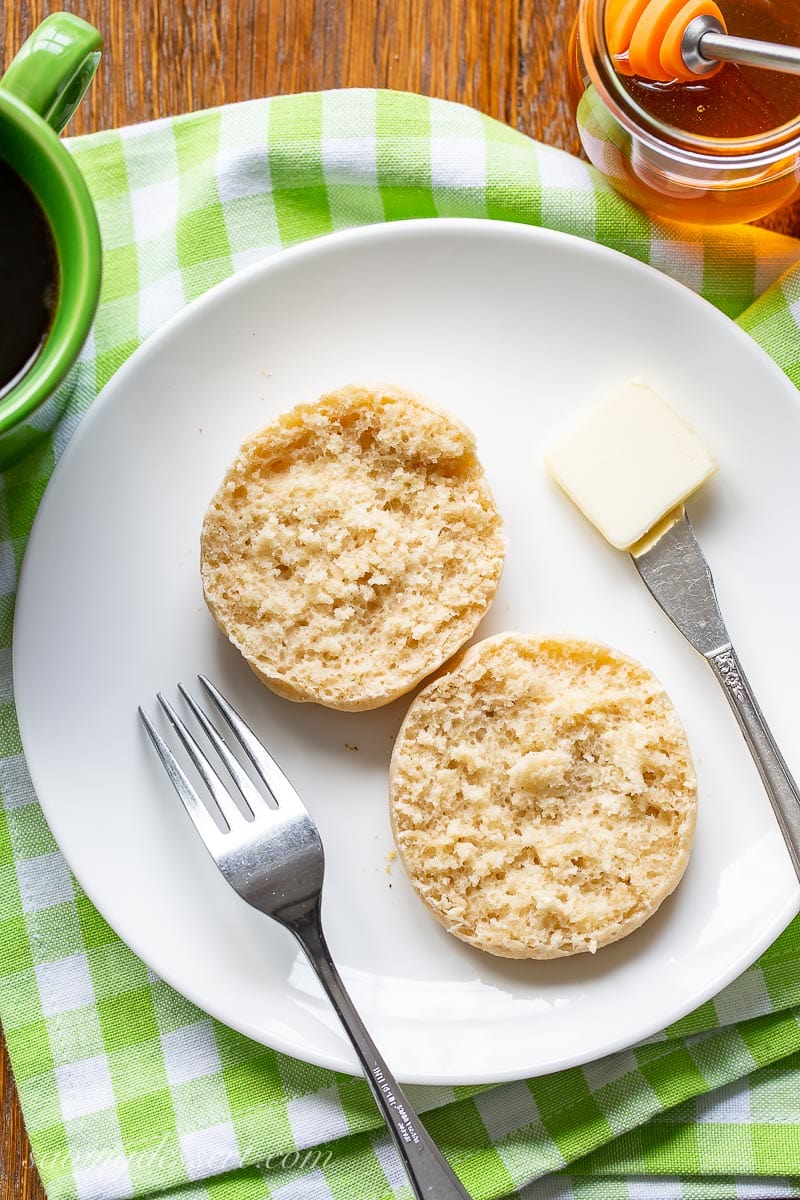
(723, 148)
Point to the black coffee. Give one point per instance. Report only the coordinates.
(28, 277)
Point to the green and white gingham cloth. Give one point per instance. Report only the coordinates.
(127, 1090)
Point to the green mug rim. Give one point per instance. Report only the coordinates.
(54, 360)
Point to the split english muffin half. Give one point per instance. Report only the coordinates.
(352, 547)
(543, 797)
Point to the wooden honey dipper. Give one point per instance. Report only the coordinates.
(667, 40)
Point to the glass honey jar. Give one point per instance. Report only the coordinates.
(723, 149)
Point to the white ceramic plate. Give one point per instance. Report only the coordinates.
(517, 330)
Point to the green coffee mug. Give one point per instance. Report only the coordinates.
(38, 94)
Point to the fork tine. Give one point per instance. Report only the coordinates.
(204, 823)
(250, 793)
(222, 797)
(281, 789)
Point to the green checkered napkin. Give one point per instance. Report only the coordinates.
(126, 1088)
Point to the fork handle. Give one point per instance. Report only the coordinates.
(429, 1174)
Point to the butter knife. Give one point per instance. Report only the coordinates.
(675, 572)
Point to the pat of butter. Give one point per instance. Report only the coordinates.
(630, 463)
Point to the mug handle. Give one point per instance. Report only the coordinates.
(54, 67)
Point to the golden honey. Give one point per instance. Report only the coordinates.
(722, 149)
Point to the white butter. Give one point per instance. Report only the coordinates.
(630, 463)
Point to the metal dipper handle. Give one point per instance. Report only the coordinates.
(705, 43)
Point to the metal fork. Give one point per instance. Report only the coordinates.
(274, 859)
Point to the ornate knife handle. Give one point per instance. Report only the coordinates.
(676, 574)
(775, 775)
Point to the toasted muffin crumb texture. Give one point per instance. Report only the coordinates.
(352, 547)
(543, 797)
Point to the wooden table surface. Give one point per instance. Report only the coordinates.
(504, 57)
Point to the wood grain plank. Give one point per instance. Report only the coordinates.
(18, 1177)
(167, 57)
(543, 110)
